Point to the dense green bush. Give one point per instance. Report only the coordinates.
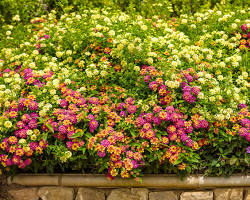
(27, 9)
(104, 91)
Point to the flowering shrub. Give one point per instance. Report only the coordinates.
(103, 91)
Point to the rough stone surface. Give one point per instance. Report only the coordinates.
(23, 194)
(247, 196)
(56, 193)
(141, 192)
(228, 194)
(197, 196)
(162, 196)
(128, 194)
(89, 194)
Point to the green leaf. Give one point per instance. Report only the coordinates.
(188, 168)
(79, 134)
(50, 128)
(45, 136)
(232, 161)
(83, 150)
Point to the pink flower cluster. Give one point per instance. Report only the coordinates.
(30, 78)
(244, 130)
(156, 84)
(189, 92)
(15, 152)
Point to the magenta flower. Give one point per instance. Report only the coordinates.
(33, 105)
(153, 85)
(135, 164)
(81, 101)
(6, 70)
(130, 100)
(247, 137)
(120, 106)
(21, 164)
(183, 84)
(9, 162)
(93, 124)
(123, 114)
(244, 27)
(203, 124)
(91, 117)
(179, 123)
(189, 129)
(28, 161)
(157, 121)
(188, 77)
(184, 138)
(243, 132)
(63, 129)
(186, 88)
(147, 78)
(22, 133)
(73, 119)
(105, 143)
(180, 131)
(131, 109)
(248, 149)
(189, 143)
(69, 144)
(195, 90)
(101, 154)
(20, 124)
(139, 121)
(171, 129)
(33, 145)
(64, 103)
(16, 160)
(32, 124)
(21, 104)
(149, 117)
(34, 115)
(245, 122)
(93, 100)
(188, 97)
(240, 106)
(26, 118)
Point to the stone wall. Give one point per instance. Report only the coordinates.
(85, 193)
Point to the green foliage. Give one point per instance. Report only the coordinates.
(103, 53)
(26, 9)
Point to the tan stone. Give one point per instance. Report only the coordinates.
(23, 194)
(247, 196)
(163, 196)
(128, 194)
(228, 194)
(197, 196)
(56, 193)
(141, 192)
(89, 194)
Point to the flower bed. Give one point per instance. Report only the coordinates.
(105, 92)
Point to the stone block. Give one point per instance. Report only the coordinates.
(56, 193)
(247, 196)
(129, 194)
(141, 192)
(206, 195)
(23, 194)
(89, 194)
(228, 194)
(164, 195)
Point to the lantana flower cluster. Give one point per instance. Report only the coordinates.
(129, 94)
